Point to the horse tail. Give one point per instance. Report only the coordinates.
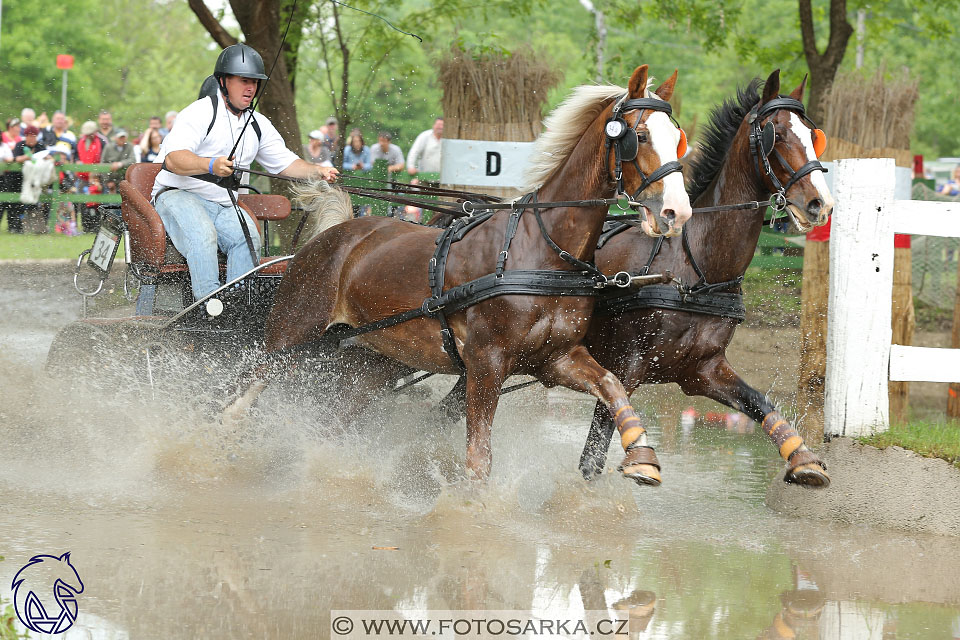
(324, 206)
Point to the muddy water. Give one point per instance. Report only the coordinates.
(181, 528)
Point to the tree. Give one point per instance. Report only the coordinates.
(823, 66)
(263, 23)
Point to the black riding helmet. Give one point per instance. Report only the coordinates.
(238, 60)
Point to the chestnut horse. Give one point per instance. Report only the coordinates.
(657, 345)
(368, 269)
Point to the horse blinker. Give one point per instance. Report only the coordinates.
(819, 142)
(768, 137)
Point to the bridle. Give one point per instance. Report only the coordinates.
(625, 142)
(763, 144)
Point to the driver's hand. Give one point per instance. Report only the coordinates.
(222, 166)
(330, 174)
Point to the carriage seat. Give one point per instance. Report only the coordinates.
(149, 243)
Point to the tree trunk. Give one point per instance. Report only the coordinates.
(823, 67)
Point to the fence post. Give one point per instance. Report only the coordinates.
(861, 281)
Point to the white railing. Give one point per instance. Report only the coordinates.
(860, 358)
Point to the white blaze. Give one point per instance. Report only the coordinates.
(816, 178)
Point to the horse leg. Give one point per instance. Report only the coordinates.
(484, 379)
(454, 404)
(578, 370)
(717, 380)
(594, 456)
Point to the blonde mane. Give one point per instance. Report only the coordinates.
(565, 126)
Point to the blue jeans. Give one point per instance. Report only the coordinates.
(196, 228)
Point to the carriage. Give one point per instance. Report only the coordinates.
(471, 313)
(167, 320)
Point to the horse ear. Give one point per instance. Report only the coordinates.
(771, 88)
(638, 82)
(797, 93)
(65, 557)
(665, 90)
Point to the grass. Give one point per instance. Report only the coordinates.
(929, 439)
(49, 246)
(772, 297)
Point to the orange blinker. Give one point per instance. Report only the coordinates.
(682, 145)
(819, 142)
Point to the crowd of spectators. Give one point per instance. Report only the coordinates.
(34, 139)
(31, 138)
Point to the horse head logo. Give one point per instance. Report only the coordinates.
(45, 594)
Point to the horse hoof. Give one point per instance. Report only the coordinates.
(645, 475)
(808, 475)
(590, 470)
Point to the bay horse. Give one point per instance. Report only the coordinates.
(364, 270)
(659, 345)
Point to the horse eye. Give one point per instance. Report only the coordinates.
(642, 137)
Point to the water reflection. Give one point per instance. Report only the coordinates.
(178, 533)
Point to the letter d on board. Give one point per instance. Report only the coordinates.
(493, 163)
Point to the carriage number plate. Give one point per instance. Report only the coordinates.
(104, 248)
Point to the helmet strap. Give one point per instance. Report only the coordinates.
(222, 81)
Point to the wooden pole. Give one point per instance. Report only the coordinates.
(953, 392)
(856, 395)
(813, 339)
(903, 322)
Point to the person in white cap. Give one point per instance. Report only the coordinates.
(315, 151)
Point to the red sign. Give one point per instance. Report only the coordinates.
(64, 61)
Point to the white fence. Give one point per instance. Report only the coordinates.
(860, 358)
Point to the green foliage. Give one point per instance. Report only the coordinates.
(133, 57)
(8, 620)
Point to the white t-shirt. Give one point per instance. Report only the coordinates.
(425, 153)
(190, 133)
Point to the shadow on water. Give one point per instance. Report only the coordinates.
(182, 527)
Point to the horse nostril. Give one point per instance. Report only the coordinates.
(814, 206)
(669, 214)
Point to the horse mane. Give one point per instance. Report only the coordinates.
(324, 205)
(565, 126)
(718, 135)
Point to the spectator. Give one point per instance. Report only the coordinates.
(30, 145)
(150, 145)
(89, 148)
(27, 116)
(425, 153)
(89, 151)
(57, 132)
(42, 121)
(385, 150)
(11, 134)
(119, 155)
(105, 124)
(315, 151)
(331, 138)
(170, 118)
(952, 187)
(8, 179)
(144, 144)
(23, 152)
(356, 155)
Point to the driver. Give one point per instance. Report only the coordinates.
(199, 215)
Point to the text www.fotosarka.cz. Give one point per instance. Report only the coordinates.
(478, 624)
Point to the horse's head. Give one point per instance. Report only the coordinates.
(43, 570)
(785, 147)
(644, 146)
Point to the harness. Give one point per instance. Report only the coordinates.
(703, 296)
(585, 280)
